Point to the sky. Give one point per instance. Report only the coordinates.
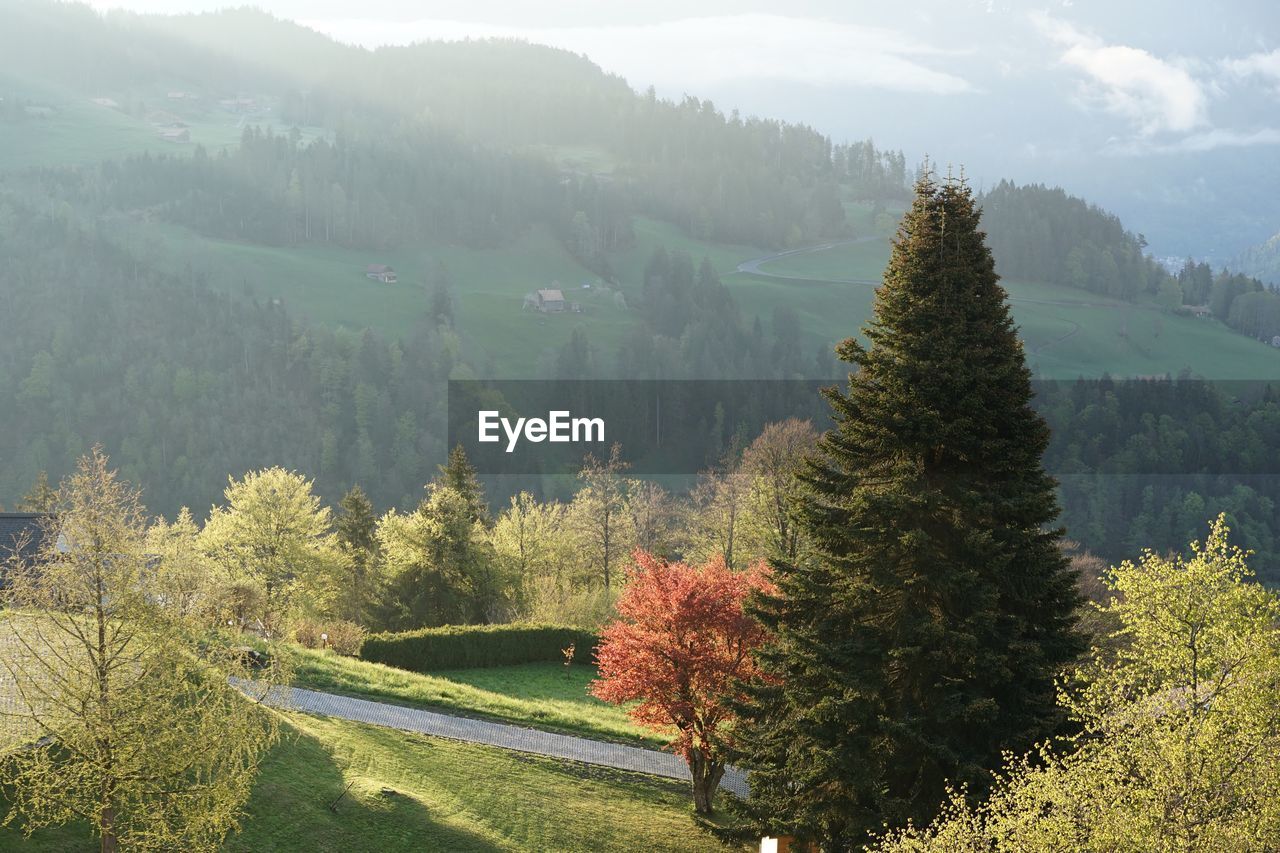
(1153, 109)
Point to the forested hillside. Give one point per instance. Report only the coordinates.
(187, 206)
(1042, 233)
(186, 385)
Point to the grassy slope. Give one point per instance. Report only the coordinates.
(448, 796)
(80, 131)
(538, 695)
(1091, 336)
(327, 285)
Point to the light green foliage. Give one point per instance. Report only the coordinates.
(719, 521)
(534, 548)
(275, 536)
(182, 575)
(439, 563)
(771, 464)
(1180, 748)
(139, 734)
(598, 516)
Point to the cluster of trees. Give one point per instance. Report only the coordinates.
(118, 708)
(692, 328)
(1176, 728)
(1243, 303)
(932, 633)
(183, 383)
(722, 177)
(1143, 463)
(271, 556)
(401, 185)
(1043, 234)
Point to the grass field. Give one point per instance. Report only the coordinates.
(539, 695)
(1068, 332)
(76, 130)
(327, 285)
(413, 793)
(1078, 335)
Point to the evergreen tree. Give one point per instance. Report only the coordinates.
(460, 475)
(356, 527)
(924, 636)
(41, 498)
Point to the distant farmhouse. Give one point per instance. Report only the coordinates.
(380, 272)
(176, 134)
(239, 105)
(550, 301)
(22, 538)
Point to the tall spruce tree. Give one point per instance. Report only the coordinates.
(924, 636)
(460, 475)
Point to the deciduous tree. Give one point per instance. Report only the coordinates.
(598, 513)
(1179, 716)
(274, 534)
(130, 724)
(680, 647)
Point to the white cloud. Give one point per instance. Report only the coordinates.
(1152, 94)
(1225, 138)
(1195, 143)
(690, 53)
(1266, 65)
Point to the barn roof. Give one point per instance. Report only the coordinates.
(551, 296)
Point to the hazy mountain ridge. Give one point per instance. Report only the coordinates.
(1261, 261)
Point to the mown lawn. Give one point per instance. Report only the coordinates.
(414, 793)
(543, 696)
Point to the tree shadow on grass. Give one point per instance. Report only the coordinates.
(301, 801)
(289, 810)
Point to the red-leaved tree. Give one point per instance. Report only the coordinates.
(681, 643)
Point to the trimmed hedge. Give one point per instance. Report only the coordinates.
(471, 646)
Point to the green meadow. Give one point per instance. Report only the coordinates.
(540, 695)
(410, 793)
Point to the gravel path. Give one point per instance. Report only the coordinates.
(502, 735)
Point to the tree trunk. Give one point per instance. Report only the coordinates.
(107, 826)
(706, 778)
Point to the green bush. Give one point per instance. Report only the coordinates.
(471, 646)
(343, 637)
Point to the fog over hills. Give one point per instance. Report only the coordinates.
(1165, 113)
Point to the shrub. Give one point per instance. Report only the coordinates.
(306, 632)
(469, 646)
(346, 638)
